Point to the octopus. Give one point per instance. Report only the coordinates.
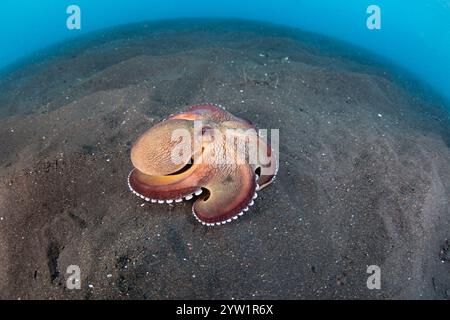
(186, 157)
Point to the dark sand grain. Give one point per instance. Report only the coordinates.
(364, 171)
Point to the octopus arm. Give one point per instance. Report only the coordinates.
(231, 190)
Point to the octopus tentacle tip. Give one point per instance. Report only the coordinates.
(221, 192)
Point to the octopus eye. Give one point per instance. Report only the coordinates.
(206, 130)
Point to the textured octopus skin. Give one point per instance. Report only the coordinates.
(230, 188)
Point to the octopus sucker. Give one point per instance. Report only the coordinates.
(191, 166)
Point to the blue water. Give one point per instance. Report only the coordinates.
(414, 34)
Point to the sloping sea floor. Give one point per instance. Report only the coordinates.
(364, 173)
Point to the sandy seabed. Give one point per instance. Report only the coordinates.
(364, 173)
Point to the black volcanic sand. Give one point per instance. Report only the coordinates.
(364, 170)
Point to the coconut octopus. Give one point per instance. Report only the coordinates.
(170, 168)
